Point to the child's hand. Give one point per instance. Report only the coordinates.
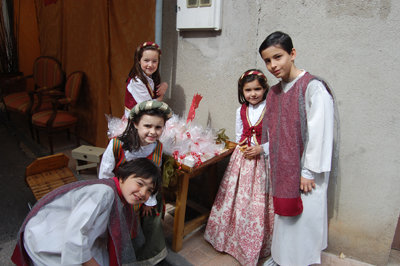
(146, 210)
(252, 151)
(161, 90)
(306, 185)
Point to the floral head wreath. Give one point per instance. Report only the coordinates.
(253, 72)
(151, 44)
(150, 105)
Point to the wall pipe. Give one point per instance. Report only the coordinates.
(158, 31)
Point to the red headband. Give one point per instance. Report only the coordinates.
(151, 44)
(253, 72)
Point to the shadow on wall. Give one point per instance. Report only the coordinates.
(199, 34)
(333, 192)
(209, 120)
(178, 101)
(335, 175)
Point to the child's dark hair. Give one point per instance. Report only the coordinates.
(141, 167)
(130, 137)
(249, 76)
(136, 70)
(277, 38)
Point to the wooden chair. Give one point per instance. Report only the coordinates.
(47, 75)
(48, 173)
(60, 117)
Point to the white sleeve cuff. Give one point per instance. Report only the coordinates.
(265, 147)
(152, 201)
(307, 173)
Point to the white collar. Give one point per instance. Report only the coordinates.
(143, 151)
(287, 86)
(258, 106)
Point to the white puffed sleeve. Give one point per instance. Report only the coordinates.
(238, 125)
(88, 221)
(107, 164)
(139, 91)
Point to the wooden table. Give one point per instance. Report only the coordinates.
(185, 173)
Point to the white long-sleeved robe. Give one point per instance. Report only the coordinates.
(299, 240)
(71, 229)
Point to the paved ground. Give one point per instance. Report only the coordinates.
(14, 194)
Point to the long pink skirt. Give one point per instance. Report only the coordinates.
(242, 216)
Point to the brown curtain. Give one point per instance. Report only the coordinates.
(97, 37)
(26, 30)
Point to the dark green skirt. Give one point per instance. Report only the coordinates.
(154, 249)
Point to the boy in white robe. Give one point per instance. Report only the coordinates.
(300, 129)
(87, 222)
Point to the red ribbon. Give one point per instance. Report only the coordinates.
(197, 158)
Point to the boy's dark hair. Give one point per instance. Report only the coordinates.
(141, 167)
(137, 72)
(130, 137)
(277, 38)
(249, 78)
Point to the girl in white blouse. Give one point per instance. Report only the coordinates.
(143, 82)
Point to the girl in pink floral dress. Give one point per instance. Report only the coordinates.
(241, 218)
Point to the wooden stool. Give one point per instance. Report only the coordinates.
(48, 173)
(89, 154)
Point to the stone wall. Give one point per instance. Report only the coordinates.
(351, 44)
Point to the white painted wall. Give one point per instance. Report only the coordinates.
(354, 45)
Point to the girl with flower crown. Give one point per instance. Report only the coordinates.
(241, 218)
